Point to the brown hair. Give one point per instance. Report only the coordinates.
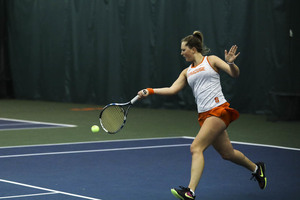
(196, 40)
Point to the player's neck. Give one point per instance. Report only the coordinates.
(198, 59)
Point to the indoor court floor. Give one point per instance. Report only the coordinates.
(52, 154)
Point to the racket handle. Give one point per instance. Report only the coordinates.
(135, 99)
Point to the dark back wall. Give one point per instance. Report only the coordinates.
(99, 51)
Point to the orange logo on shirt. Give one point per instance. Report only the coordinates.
(200, 69)
(217, 100)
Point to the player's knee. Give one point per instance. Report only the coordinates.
(194, 148)
(227, 155)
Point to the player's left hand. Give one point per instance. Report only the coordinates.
(231, 55)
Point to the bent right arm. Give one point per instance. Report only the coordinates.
(178, 85)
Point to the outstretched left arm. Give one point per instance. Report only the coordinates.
(229, 66)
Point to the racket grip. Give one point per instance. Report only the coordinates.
(135, 99)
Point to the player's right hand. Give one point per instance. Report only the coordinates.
(143, 93)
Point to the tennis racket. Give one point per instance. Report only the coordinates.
(113, 116)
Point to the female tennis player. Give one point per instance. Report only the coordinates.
(214, 112)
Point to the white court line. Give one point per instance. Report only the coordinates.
(94, 142)
(259, 145)
(32, 128)
(95, 150)
(37, 122)
(13, 124)
(27, 195)
(140, 139)
(128, 148)
(129, 140)
(266, 145)
(49, 190)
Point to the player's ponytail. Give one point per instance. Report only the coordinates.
(196, 40)
(198, 35)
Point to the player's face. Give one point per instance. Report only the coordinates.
(187, 53)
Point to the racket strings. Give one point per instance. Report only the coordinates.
(112, 118)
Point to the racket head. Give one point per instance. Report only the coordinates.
(112, 118)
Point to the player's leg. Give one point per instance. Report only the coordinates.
(210, 129)
(223, 145)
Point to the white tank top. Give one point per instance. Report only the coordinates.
(206, 86)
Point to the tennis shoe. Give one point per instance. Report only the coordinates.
(260, 175)
(183, 193)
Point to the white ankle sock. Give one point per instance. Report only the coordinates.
(256, 168)
(193, 193)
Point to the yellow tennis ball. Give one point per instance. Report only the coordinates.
(95, 128)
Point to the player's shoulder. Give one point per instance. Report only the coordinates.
(213, 58)
(214, 62)
(184, 71)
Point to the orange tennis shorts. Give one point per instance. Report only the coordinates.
(223, 111)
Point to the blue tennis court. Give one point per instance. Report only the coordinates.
(139, 169)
